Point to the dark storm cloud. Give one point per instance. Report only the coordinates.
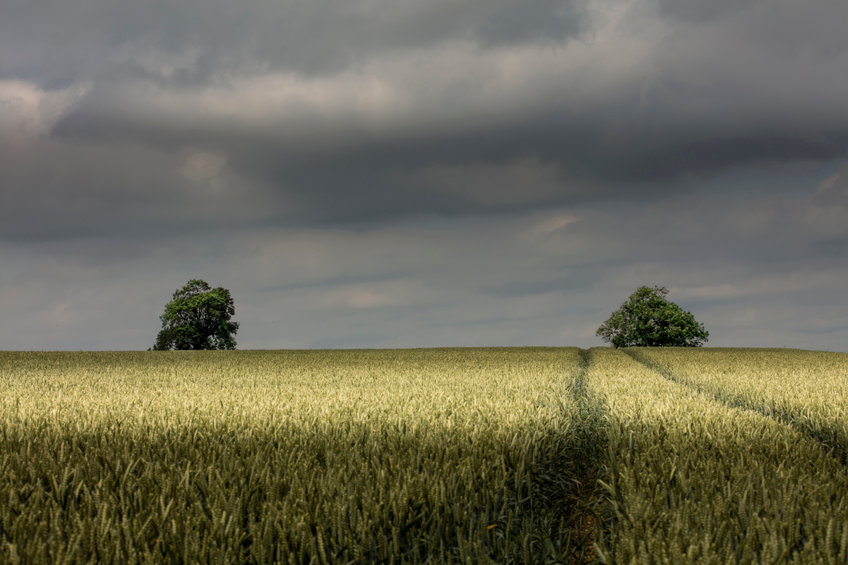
(700, 11)
(55, 42)
(58, 191)
(396, 174)
(423, 172)
(645, 101)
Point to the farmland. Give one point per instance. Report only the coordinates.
(334, 456)
(506, 455)
(695, 479)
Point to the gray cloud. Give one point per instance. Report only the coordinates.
(55, 43)
(423, 173)
(539, 278)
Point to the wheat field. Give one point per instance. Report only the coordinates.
(478, 455)
(290, 457)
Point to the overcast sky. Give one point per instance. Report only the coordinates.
(405, 173)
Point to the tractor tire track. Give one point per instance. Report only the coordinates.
(826, 438)
(588, 442)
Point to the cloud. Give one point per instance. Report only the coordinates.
(194, 40)
(205, 169)
(759, 285)
(835, 186)
(825, 217)
(438, 281)
(28, 112)
(488, 184)
(554, 223)
(459, 124)
(423, 172)
(395, 293)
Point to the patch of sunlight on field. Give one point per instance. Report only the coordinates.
(266, 456)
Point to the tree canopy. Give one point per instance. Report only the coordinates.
(198, 317)
(647, 319)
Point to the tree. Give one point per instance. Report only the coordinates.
(198, 317)
(647, 319)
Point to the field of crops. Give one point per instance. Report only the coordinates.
(805, 389)
(697, 480)
(309, 456)
(504, 455)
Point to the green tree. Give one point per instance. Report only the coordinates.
(647, 319)
(198, 317)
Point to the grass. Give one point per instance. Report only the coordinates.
(486, 455)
